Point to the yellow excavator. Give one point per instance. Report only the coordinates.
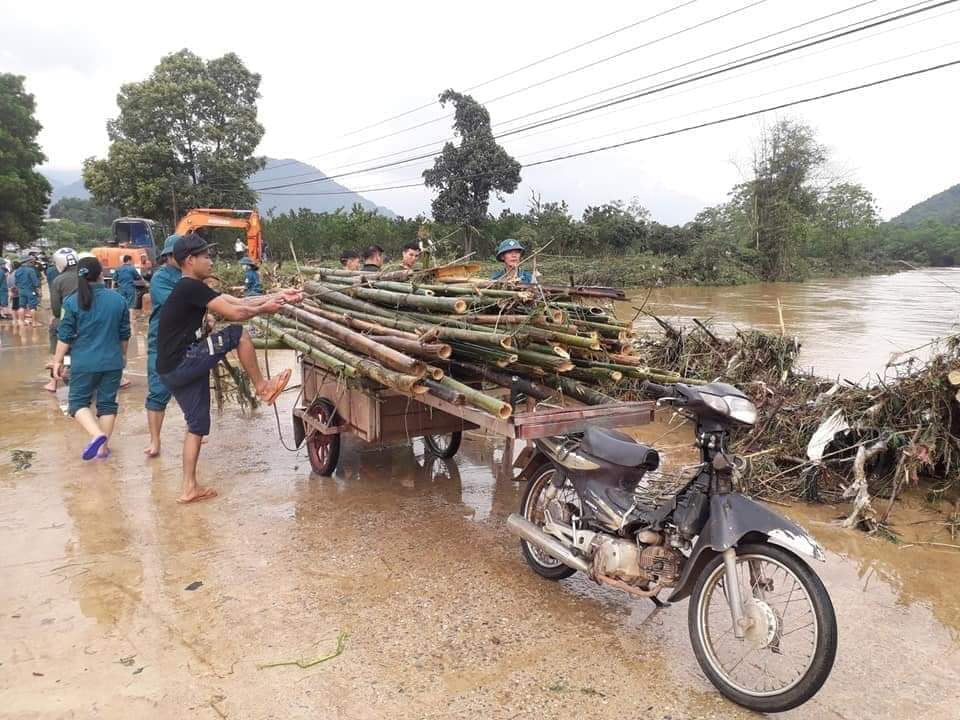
(246, 220)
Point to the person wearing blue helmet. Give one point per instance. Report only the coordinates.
(251, 278)
(166, 276)
(510, 252)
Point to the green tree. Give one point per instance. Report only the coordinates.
(24, 193)
(466, 174)
(83, 211)
(781, 198)
(846, 217)
(184, 138)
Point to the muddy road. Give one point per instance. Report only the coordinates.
(403, 552)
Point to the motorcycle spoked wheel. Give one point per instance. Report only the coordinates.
(785, 598)
(531, 507)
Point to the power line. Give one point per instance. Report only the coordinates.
(619, 85)
(685, 80)
(547, 80)
(735, 65)
(678, 131)
(532, 64)
(511, 72)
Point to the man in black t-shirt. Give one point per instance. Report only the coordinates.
(185, 356)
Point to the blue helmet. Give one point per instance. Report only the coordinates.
(168, 245)
(508, 245)
(246, 261)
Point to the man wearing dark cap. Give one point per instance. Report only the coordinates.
(185, 355)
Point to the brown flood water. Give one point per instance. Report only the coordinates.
(406, 553)
(848, 327)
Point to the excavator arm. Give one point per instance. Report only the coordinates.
(246, 220)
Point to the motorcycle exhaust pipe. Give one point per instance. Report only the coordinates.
(523, 528)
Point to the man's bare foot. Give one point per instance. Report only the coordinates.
(152, 451)
(124, 382)
(51, 386)
(197, 494)
(271, 389)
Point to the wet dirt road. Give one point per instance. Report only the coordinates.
(405, 553)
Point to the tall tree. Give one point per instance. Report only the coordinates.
(24, 193)
(782, 196)
(184, 138)
(466, 174)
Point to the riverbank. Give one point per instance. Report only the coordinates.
(641, 270)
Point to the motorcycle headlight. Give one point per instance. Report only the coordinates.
(741, 410)
(717, 403)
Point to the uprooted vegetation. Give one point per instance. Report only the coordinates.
(874, 439)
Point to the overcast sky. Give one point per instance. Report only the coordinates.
(331, 68)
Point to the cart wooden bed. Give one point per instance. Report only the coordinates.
(331, 407)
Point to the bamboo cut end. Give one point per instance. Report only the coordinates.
(460, 306)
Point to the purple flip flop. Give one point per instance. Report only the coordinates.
(90, 452)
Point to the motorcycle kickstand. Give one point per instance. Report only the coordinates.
(658, 602)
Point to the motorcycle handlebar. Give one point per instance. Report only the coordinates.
(656, 390)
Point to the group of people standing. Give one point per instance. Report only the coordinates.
(510, 252)
(20, 289)
(183, 346)
(373, 258)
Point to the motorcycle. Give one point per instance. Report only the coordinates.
(761, 623)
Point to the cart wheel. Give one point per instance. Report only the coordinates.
(323, 450)
(443, 446)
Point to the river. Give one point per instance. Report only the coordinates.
(848, 327)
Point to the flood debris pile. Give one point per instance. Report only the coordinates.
(816, 439)
(445, 333)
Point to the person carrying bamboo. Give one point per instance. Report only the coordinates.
(95, 329)
(510, 252)
(185, 356)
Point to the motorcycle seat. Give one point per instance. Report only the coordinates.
(619, 449)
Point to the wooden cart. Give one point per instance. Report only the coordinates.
(331, 408)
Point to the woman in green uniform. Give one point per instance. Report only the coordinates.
(95, 328)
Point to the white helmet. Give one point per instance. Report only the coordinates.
(65, 257)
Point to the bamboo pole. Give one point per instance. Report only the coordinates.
(595, 375)
(399, 381)
(386, 355)
(479, 399)
(326, 361)
(577, 390)
(506, 380)
(444, 393)
(371, 328)
(430, 351)
(397, 300)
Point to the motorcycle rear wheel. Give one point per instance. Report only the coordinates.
(531, 507)
(772, 603)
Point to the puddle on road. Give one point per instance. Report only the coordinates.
(407, 552)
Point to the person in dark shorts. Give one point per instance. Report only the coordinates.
(185, 356)
(95, 328)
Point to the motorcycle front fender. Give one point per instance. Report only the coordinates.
(734, 517)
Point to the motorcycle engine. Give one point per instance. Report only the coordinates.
(623, 559)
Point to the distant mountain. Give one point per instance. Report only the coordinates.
(65, 183)
(68, 183)
(281, 200)
(943, 208)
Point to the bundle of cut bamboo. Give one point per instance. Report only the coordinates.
(417, 334)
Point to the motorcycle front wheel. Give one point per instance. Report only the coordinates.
(532, 506)
(791, 639)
